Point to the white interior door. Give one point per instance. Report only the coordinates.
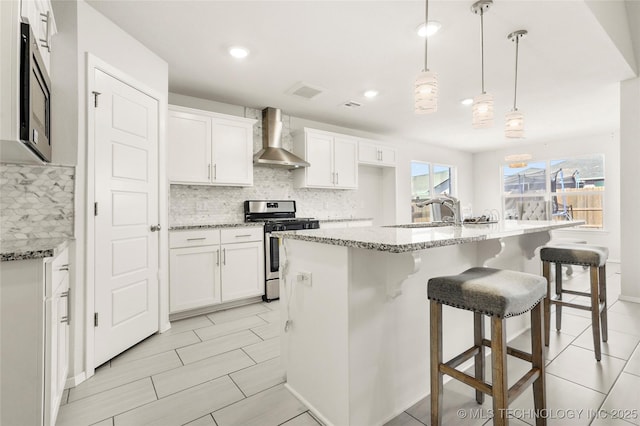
(126, 192)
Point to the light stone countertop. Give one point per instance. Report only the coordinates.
(185, 227)
(352, 219)
(37, 248)
(399, 239)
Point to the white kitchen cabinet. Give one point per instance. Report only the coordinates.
(375, 154)
(207, 148)
(34, 314)
(333, 158)
(39, 14)
(213, 266)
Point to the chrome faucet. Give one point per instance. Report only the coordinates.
(452, 203)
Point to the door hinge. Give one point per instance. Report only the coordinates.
(95, 98)
(95, 209)
(95, 319)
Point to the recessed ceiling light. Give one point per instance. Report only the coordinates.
(430, 29)
(238, 52)
(370, 94)
(467, 101)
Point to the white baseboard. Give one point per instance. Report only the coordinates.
(629, 299)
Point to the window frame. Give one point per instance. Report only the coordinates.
(453, 177)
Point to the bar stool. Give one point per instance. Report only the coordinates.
(499, 294)
(577, 254)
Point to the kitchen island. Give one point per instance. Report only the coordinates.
(354, 309)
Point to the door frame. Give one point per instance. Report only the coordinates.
(94, 63)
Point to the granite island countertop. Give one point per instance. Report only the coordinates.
(402, 239)
(344, 219)
(27, 249)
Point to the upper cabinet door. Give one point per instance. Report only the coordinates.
(232, 152)
(319, 153)
(189, 140)
(345, 160)
(375, 154)
(388, 156)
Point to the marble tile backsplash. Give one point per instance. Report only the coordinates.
(194, 204)
(36, 201)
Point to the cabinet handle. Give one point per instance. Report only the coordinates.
(155, 228)
(215, 172)
(64, 267)
(243, 235)
(333, 178)
(224, 256)
(337, 178)
(196, 239)
(380, 154)
(67, 318)
(44, 42)
(218, 257)
(209, 171)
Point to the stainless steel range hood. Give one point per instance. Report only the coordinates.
(272, 154)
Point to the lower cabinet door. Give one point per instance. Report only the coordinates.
(242, 270)
(194, 277)
(56, 350)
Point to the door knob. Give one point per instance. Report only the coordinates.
(155, 228)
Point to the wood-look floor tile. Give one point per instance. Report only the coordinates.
(187, 324)
(572, 325)
(579, 365)
(154, 345)
(218, 330)
(271, 316)
(185, 406)
(259, 377)
(623, 323)
(558, 341)
(624, 399)
(268, 331)
(125, 373)
(217, 346)
(178, 379)
(269, 408)
(203, 421)
(236, 313)
(304, 419)
(105, 422)
(264, 350)
(633, 365)
(107, 404)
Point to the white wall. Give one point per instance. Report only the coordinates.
(488, 185)
(82, 30)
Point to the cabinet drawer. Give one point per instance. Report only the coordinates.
(241, 234)
(199, 237)
(57, 271)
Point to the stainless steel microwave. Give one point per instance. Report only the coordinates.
(35, 96)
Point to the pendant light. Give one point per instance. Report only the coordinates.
(483, 103)
(517, 161)
(426, 86)
(514, 119)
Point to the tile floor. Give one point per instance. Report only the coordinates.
(223, 369)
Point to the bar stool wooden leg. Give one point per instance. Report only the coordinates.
(603, 300)
(558, 295)
(478, 336)
(547, 302)
(436, 360)
(500, 388)
(537, 361)
(595, 311)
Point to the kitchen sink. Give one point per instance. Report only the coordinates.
(421, 225)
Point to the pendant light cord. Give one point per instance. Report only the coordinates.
(515, 88)
(482, 44)
(426, 43)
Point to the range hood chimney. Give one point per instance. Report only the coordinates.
(272, 154)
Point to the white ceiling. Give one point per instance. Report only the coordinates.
(567, 81)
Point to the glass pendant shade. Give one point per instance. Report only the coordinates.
(514, 124)
(426, 93)
(482, 111)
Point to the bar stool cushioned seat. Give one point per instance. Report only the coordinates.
(493, 292)
(498, 294)
(594, 257)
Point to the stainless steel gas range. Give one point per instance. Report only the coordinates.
(277, 215)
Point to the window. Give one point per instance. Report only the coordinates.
(428, 180)
(568, 188)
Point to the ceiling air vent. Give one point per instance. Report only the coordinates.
(352, 104)
(304, 90)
